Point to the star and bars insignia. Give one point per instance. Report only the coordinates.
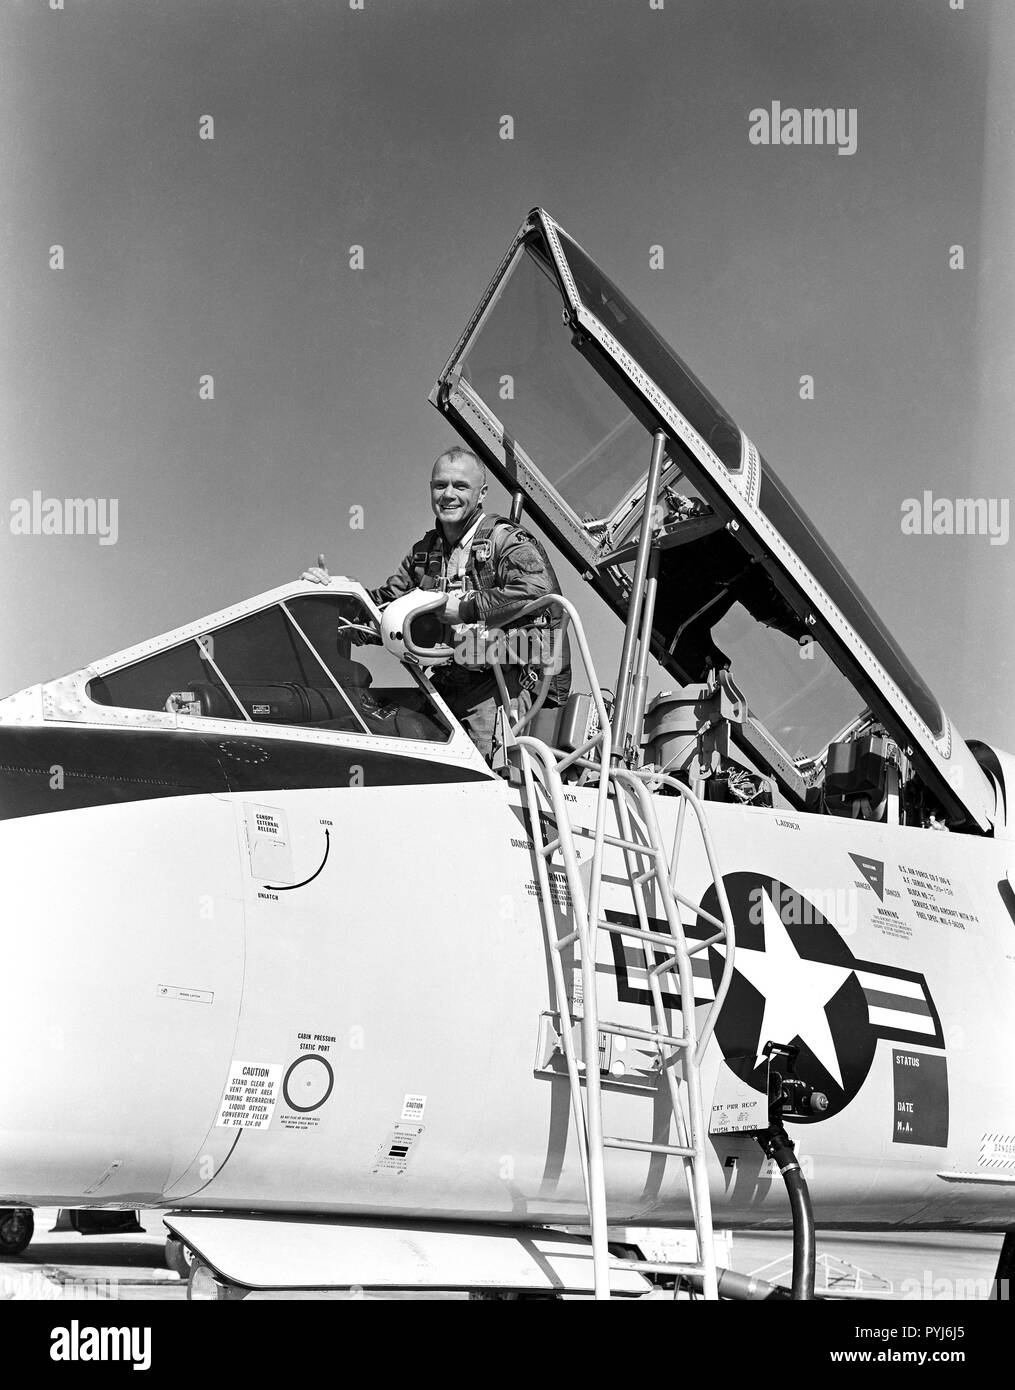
(795, 979)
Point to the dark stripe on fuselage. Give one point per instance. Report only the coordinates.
(44, 769)
(901, 1003)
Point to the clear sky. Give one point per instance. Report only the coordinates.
(381, 127)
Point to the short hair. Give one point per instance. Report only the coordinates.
(458, 452)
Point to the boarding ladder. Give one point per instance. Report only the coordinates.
(648, 867)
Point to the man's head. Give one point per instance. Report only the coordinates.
(457, 488)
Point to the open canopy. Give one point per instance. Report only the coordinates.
(559, 382)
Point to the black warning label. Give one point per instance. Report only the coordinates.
(873, 871)
(921, 1098)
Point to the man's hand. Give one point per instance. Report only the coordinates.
(450, 610)
(318, 574)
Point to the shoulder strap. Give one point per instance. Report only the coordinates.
(487, 526)
(427, 559)
(481, 566)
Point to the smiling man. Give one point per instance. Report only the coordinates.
(489, 569)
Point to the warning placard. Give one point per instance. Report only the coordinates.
(250, 1095)
(394, 1154)
(737, 1108)
(268, 844)
(558, 885)
(938, 898)
(413, 1107)
(997, 1151)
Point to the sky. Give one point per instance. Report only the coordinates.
(380, 127)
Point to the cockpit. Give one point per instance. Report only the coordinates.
(307, 660)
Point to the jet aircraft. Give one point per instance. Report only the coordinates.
(360, 1010)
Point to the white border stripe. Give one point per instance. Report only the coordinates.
(889, 984)
(903, 1023)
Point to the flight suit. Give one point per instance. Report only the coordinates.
(501, 570)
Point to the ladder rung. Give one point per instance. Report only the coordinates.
(625, 1030)
(632, 845)
(709, 941)
(551, 848)
(645, 1146)
(697, 910)
(644, 877)
(564, 941)
(618, 929)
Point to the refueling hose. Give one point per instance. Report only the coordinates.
(803, 1216)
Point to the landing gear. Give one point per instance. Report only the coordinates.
(17, 1226)
(204, 1285)
(178, 1257)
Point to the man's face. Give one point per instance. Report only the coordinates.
(456, 489)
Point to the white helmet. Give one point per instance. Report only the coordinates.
(396, 628)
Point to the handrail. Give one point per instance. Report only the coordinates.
(596, 1190)
(560, 988)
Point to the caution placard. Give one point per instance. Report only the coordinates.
(250, 1095)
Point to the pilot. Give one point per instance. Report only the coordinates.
(489, 568)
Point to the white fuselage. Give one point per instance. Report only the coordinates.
(388, 1013)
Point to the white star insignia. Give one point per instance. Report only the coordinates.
(795, 990)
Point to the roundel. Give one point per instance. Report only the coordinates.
(795, 981)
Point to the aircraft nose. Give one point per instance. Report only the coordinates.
(121, 995)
